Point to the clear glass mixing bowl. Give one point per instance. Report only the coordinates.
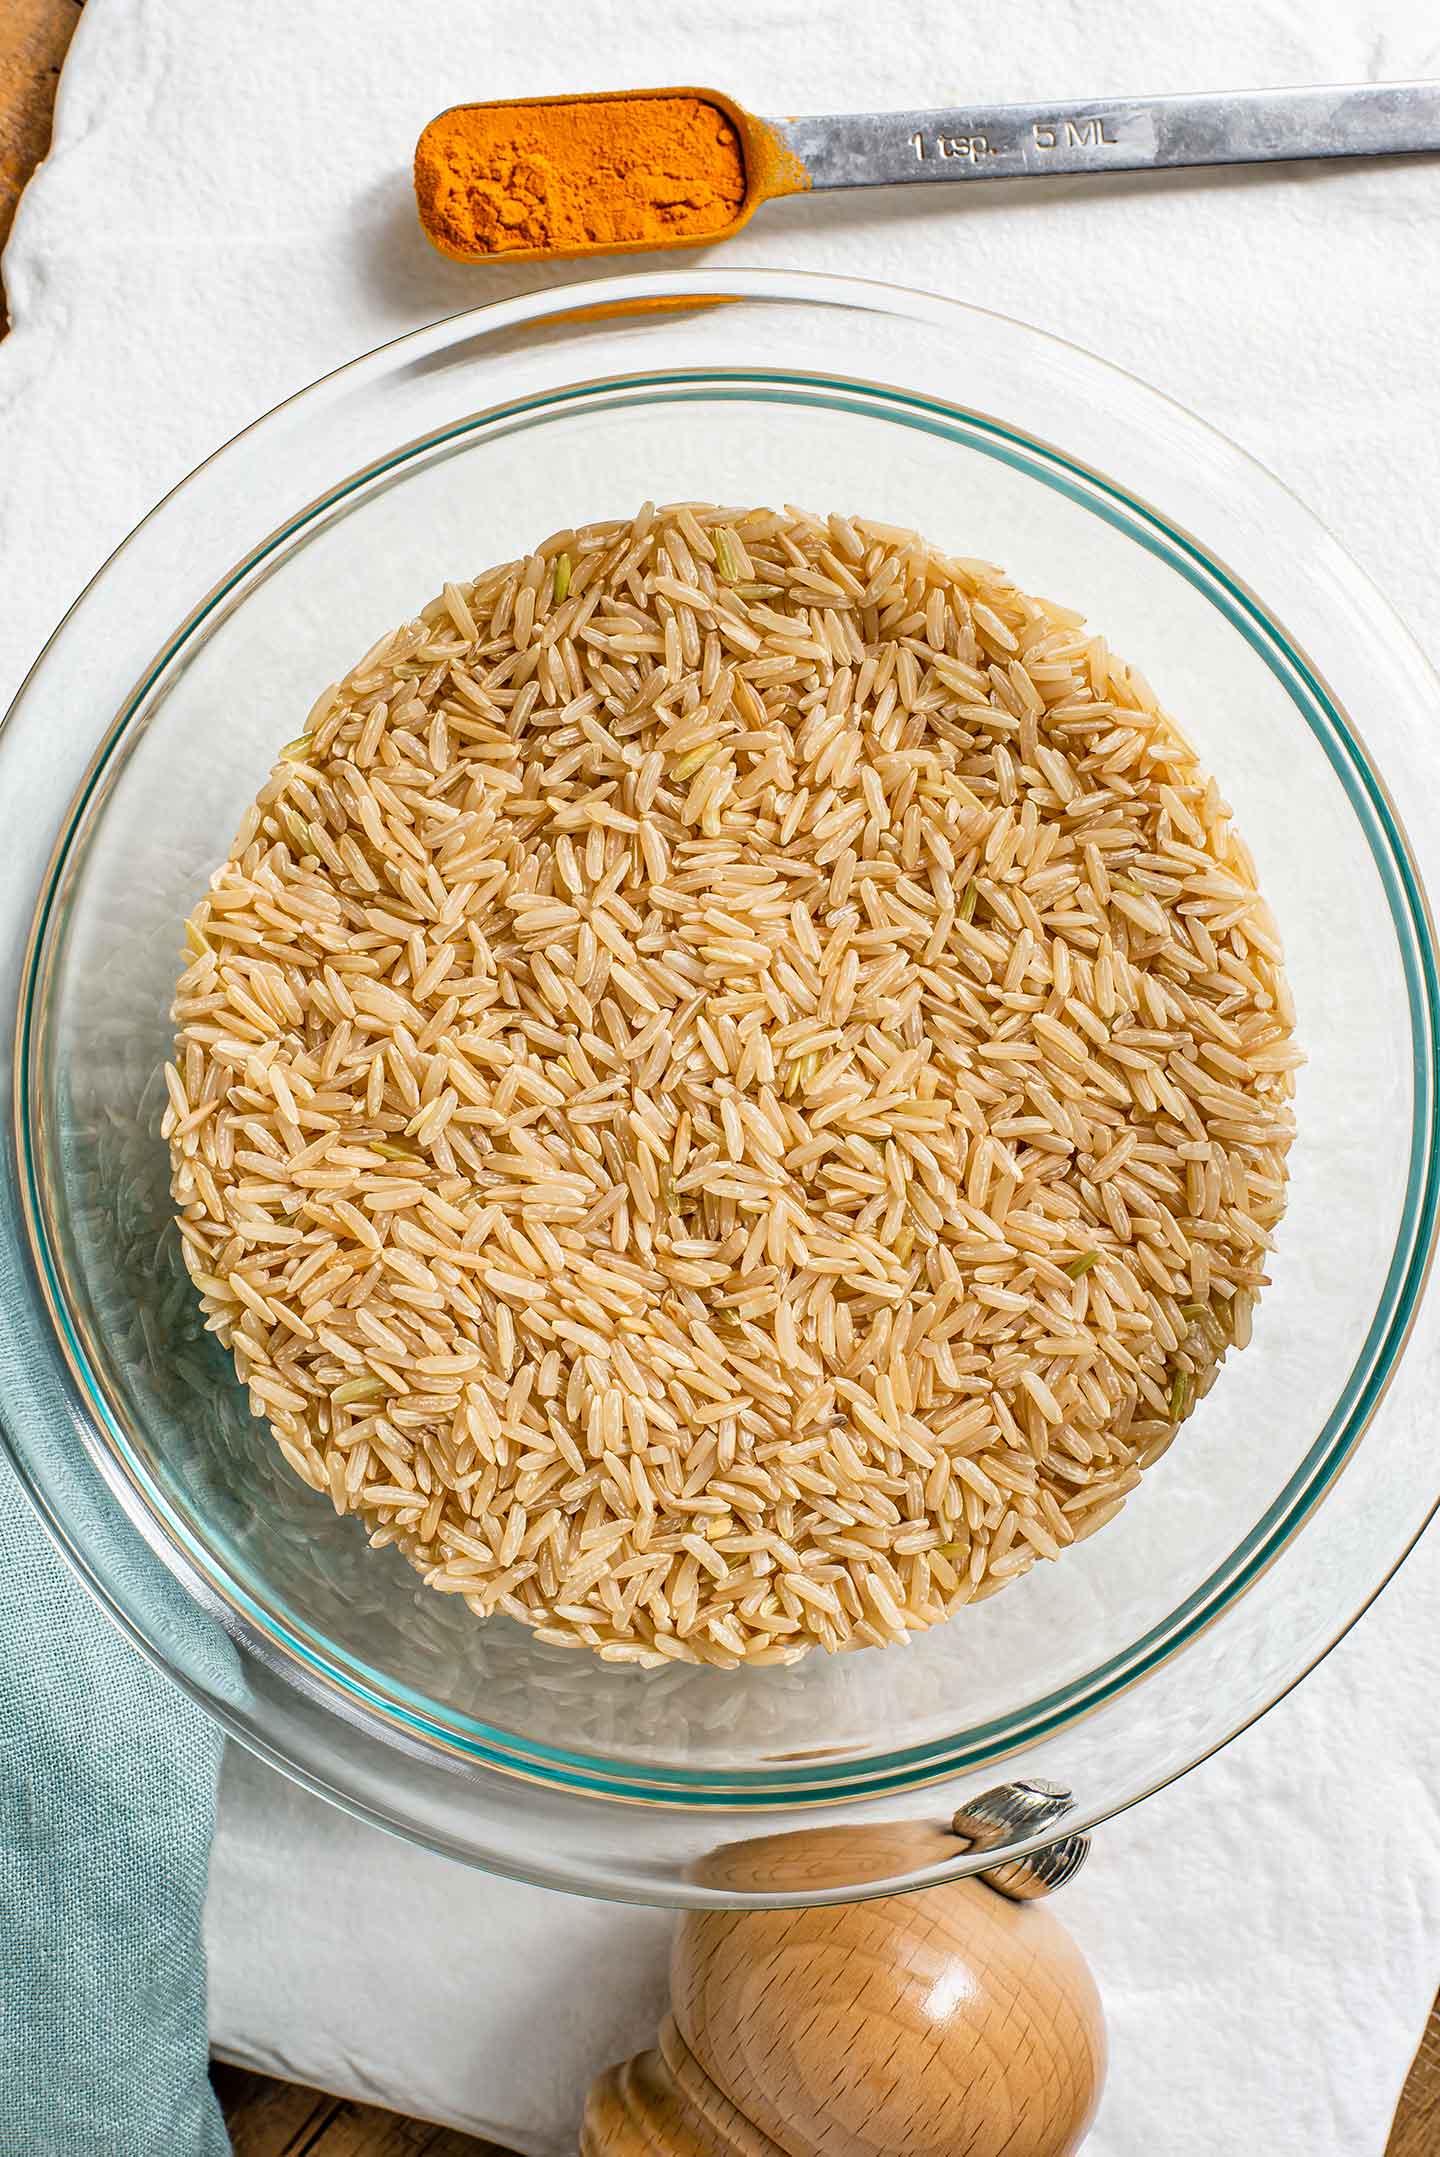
(194, 654)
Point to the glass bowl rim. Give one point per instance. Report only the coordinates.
(1394, 1314)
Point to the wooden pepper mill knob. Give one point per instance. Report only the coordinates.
(946, 2023)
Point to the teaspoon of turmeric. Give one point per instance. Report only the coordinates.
(532, 179)
(558, 176)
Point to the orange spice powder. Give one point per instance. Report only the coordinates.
(494, 179)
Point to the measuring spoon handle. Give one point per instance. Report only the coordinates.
(1005, 142)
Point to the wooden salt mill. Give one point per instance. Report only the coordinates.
(958, 2021)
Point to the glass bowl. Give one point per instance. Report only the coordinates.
(195, 653)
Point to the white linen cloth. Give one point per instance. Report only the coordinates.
(226, 214)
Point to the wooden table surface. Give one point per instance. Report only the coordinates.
(276, 2119)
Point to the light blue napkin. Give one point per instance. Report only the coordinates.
(107, 1807)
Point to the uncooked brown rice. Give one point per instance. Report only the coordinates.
(733, 1090)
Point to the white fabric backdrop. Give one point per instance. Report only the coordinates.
(1267, 1934)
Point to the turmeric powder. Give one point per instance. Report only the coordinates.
(561, 174)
